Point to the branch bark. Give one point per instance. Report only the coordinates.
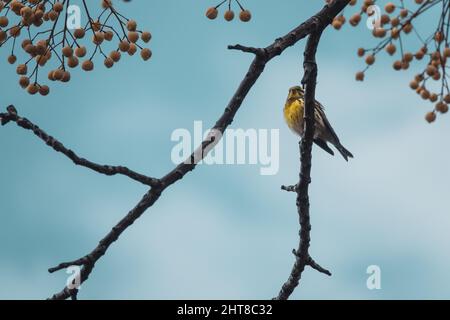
(12, 116)
(302, 256)
(158, 186)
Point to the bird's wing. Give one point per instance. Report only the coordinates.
(320, 109)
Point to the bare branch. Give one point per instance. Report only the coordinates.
(302, 257)
(256, 51)
(302, 253)
(88, 262)
(317, 267)
(12, 116)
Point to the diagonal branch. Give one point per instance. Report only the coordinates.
(12, 116)
(88, 262)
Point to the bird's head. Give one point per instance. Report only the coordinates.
(296, 92)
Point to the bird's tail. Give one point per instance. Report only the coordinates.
(345, 153)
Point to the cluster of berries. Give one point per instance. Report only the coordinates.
(244, 14)
(47, 20)
(392, 25)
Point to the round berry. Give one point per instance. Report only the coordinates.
(212, 13)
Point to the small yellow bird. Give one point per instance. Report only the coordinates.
(293, 114)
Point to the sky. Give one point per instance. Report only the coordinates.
(225, 231)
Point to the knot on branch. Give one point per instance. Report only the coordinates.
(316, 23)
(310, 68)
(305, 179)
(11, 110)
(11, 115)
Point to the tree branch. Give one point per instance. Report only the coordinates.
(302, 256)
(319, 21)
(12, 116)
(262, 57)
(256, 51)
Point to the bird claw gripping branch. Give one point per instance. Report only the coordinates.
(45, 38)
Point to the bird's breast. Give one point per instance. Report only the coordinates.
(293, 115)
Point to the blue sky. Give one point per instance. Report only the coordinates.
(225, 231)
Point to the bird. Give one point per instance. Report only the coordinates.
(293, 114)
